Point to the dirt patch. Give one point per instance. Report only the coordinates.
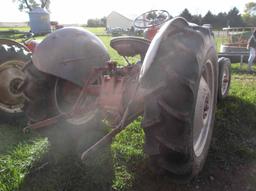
(213, 178)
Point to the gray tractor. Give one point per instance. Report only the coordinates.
(174, 85)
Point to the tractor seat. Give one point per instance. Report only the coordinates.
(130, 46)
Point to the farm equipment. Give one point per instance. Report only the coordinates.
(174, 85)
(234, 43)
(151, 22)
(13, 57)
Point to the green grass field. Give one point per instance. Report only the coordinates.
(30, 162)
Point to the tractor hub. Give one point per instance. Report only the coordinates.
(11, 77)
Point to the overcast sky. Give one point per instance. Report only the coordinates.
(80, 10)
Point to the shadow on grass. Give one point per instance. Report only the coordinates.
(11, 132)
(231, 162)
(62, 169)
(236, 69)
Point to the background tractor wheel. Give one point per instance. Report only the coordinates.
(12, 60)
(224, 77)
(179, 114)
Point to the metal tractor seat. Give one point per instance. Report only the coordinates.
(130, 46)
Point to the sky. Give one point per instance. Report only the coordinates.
(79, 11)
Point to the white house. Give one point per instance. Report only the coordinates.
(116, 20)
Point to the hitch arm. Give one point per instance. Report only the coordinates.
(121, 125)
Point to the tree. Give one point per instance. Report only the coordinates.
(97, 22)
(186, 14)
(103, 21)
(250, 8)
(249, 15)
(28, 5)
(209, 18)
(197, 19)
(234, 18)
(221, 20)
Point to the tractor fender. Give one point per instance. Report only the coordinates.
(71, 54)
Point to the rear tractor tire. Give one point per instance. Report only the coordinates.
(179, 116)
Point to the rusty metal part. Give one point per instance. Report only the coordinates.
(115, 91)
(125, 120)
(11, 77)
(71, 54)
(31, 44)
(133, 110)
(65, 96)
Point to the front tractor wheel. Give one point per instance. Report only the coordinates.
(203, 116)
(224, 77)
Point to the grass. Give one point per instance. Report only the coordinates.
(99, 31)
(30, 162)
(16, 164)
(25, 28)
(18, 154)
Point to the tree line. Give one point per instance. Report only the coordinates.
(232, 18)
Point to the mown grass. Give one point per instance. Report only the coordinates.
(16, 164)
(122, 165)
(25, 28)
(99, 31)
(18, 152)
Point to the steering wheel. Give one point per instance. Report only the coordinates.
(151, 19)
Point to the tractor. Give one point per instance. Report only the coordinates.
(174, 84)
(13, 58)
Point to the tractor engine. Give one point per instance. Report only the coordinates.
(118, 86)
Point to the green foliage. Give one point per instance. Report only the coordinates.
(250, 20)
(97, 22)
(187, 15)
(28, 5)
(234, 18)
(249, 15)
(127, 149)
(222, 19)
(99, 31)
(17, 162)
(250, 8)
(123, 179)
